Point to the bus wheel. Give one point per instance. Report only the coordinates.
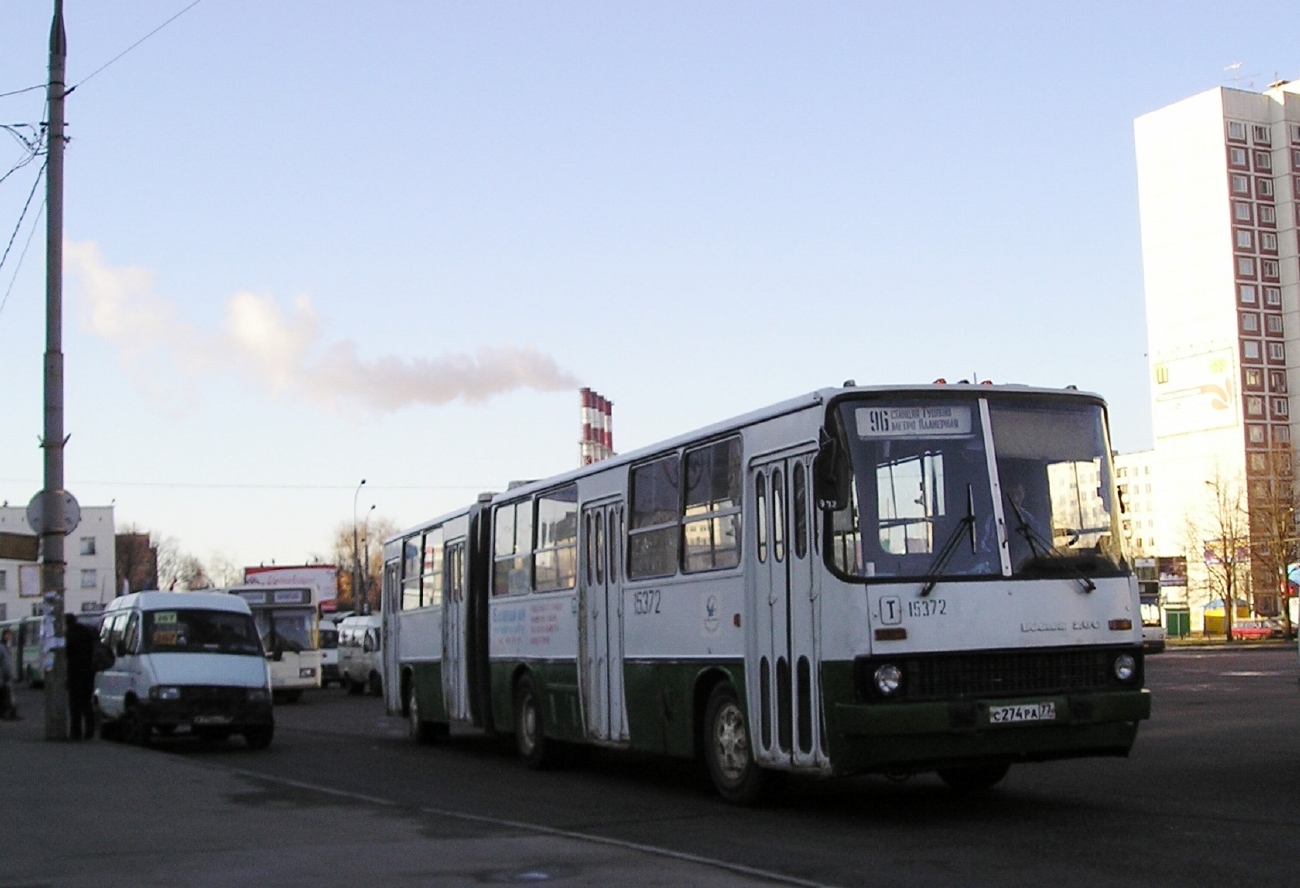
(535, 749)
(422, 731)
(727, 750)
(974, 779)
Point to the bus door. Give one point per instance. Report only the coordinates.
(782, 673)
(455, 679)
(600, 641)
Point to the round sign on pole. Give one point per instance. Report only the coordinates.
(36, 512)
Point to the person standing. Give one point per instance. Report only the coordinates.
(8, 675)
(80, 647)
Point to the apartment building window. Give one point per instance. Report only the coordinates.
(1295, 186)
(1249, 323)
(1162, 374)
(1267, 215)
(1263, 187)
(1261, 134)
(87, 545)
(1236, 131)
(1269, 267)
(1281, 434)
(1245, 239)
(1254, 378)
(1249, 350)
(1255, 434)
(1272, 296)
(1268, 241)
(1273, 324)
(1246, 293)
(1295, 158)
(1241, 210)
(1240, 184)
(1276, 351)
(1254, 406)
(1295, 133)
(1276, 381)
(4, 580)
(1263, 160)
(1279, 407)
(1245, 267)
(89, 578)
(1237, 158)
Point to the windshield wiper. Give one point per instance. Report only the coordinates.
(1043, 550)
(950, 545)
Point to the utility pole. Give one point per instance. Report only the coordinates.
(53, 528)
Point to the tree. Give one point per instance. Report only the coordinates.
(1273, 511)
(369, 552)
(1224, 535)
(179, 570)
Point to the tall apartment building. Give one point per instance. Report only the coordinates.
(1219, 194)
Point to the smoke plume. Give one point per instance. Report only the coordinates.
(283, 349)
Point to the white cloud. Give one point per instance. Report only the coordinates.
(283, 349)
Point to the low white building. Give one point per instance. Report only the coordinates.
(90, 553)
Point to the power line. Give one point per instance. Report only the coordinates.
(202, 485)
(21, 256)
(132, 46)
(39, 175)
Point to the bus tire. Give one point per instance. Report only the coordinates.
(355, 687)
(537, 750)
(727, 750)
(421, 731)
(976, 778)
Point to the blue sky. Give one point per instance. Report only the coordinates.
(314, 242)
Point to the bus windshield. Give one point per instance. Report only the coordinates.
(924, 473)
(200, 631)
(287, 630)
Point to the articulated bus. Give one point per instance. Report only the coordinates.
(888, 579)
(287, 618)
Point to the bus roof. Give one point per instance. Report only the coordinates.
(179, 601)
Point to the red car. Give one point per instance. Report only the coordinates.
(1255, 630)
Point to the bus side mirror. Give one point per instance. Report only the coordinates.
(831, 480)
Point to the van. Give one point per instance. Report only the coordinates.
(184, 660)
(360, 658)
(328, 633)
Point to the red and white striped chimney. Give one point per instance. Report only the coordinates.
(596, 416)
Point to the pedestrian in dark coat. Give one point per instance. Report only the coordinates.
(79, 642)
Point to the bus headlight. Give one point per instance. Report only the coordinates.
(164, 692)
(888, 678)
(1125, 667)
(307, 672)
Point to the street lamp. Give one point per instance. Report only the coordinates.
(365, 560)
(356, 553)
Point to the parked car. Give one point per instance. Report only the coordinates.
(1153, 638)
(1257, 630)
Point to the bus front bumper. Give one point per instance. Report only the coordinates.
(919, 736)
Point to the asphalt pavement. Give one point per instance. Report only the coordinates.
(99, 814)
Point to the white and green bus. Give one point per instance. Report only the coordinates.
(888, 579)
